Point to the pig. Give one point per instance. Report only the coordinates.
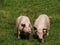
(42, 26)
(23, 24)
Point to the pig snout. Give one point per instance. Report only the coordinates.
(41, 39)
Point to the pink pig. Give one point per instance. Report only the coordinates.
(42, 26)
(23, 23)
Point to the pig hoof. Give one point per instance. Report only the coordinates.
(42, 41)
(47, 34)
(18, 37)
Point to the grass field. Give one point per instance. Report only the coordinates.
(11, 9)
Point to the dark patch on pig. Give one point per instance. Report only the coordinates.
(23, 25)
(24, 35)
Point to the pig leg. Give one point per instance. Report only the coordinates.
(18, 34)
(47, 32)
(48, 29)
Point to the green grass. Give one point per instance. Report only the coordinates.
(11, 9)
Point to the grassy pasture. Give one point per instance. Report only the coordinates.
(11, 9)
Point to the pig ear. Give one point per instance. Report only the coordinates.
(30, 25)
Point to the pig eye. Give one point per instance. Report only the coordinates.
(23, 25)
(35, 28)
